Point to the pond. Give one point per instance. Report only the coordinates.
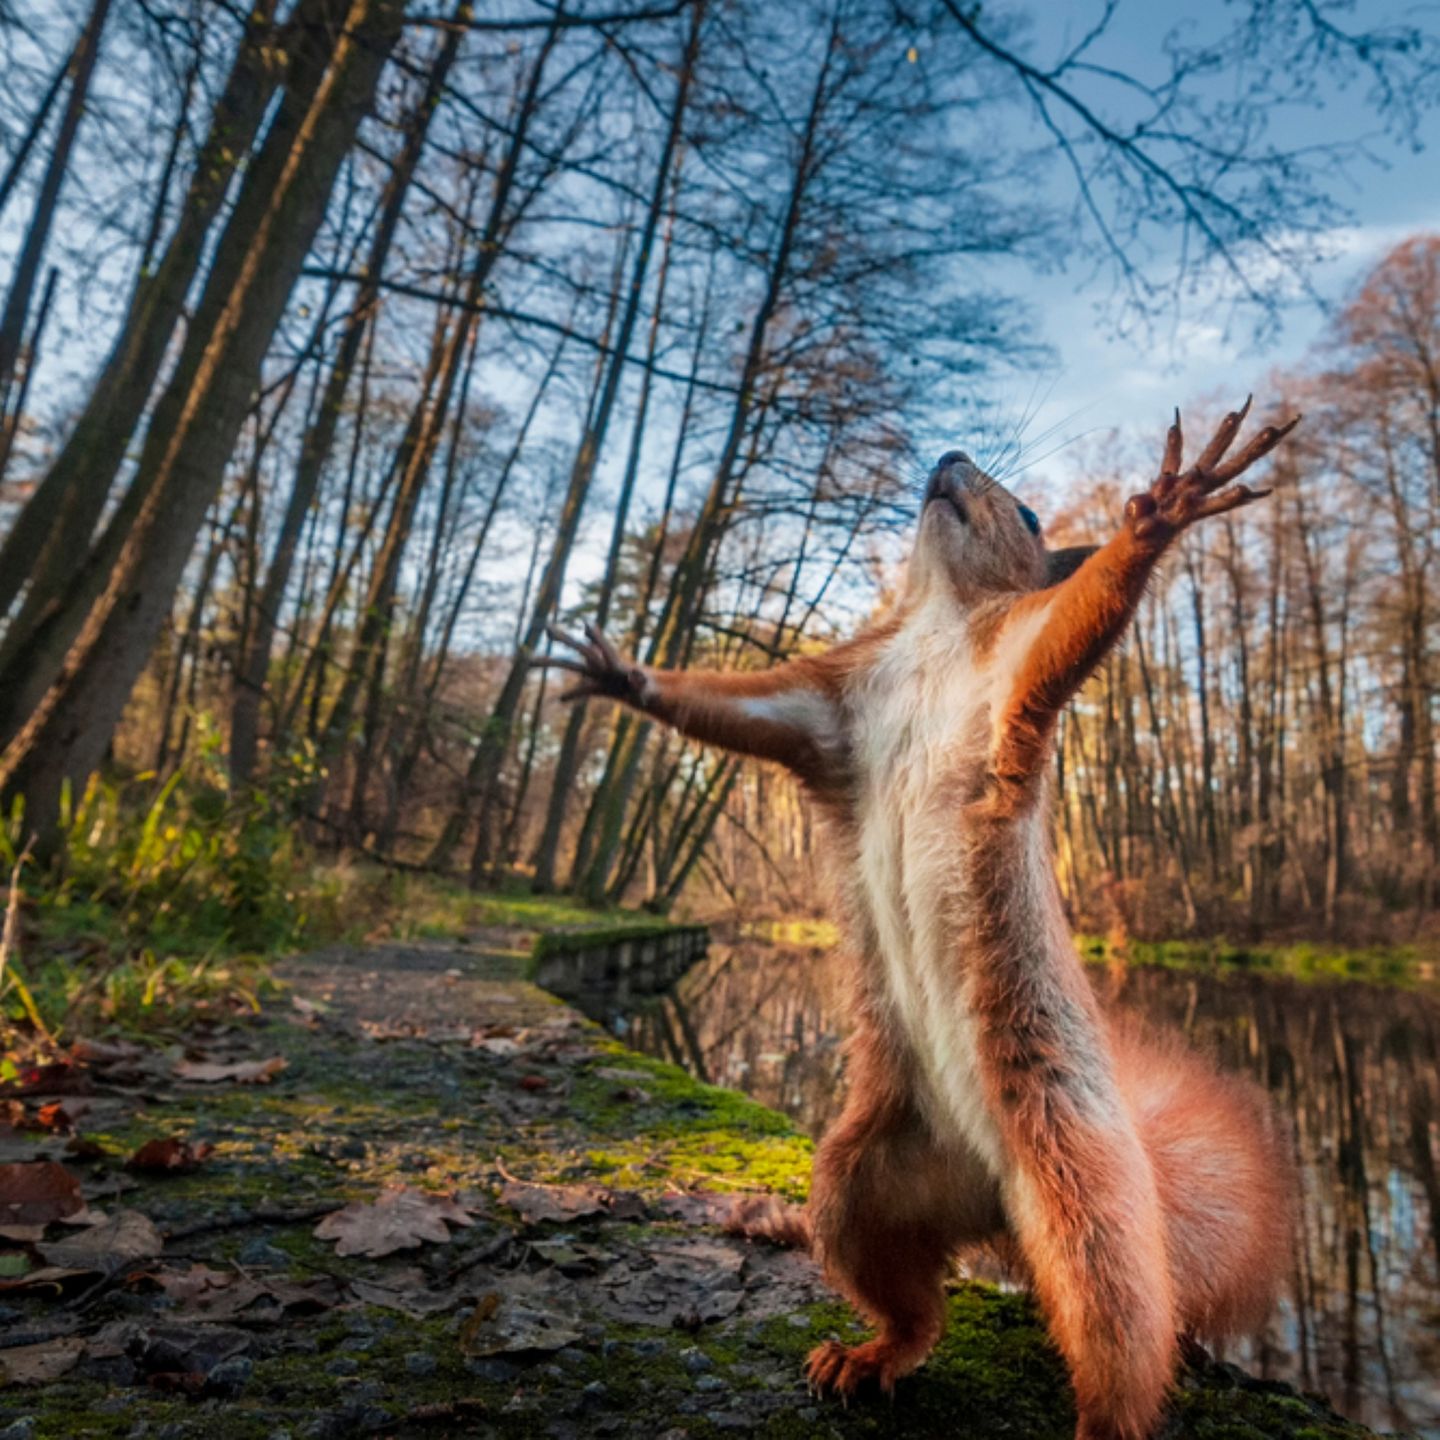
(1352, 1067)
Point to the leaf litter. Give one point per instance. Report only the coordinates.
(402, 1218)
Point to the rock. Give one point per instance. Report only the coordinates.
(21, 1429)
(229, 1377)
(497, 1372)
(343, 1365)
(695, 1360)
(419, 1363)
(711, 1383)
(261, 1252)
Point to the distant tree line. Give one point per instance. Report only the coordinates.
(346, 344)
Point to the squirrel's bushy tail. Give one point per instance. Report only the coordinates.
(1225, 1179)
(767, 1217)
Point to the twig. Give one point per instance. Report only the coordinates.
(10, 946)
(505, 1174)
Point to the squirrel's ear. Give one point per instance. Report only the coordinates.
(1062, 564)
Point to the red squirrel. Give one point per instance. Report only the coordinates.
(1143, 1196)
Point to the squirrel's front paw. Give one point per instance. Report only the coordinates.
(601, 668)
(1179, 498)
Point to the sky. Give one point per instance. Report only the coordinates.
(1099, 378)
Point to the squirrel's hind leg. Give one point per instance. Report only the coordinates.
(888, 1209)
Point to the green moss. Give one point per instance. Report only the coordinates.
(1397, 965)
(550, 943)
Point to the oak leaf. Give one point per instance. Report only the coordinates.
(35, 1192)
(400, 1219)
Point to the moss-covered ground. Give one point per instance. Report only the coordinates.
(626, 1313)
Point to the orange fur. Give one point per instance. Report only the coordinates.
(1143, 1195)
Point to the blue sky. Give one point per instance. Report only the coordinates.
(1101, 379)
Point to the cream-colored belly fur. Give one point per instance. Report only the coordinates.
(925, 706)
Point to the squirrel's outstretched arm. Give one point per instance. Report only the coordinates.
(1062, 633)
(785, 714)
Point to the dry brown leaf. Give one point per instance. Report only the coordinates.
(556, 1202)
(245, 1072)
(35, 1192)
(170, 1156)
(400, 1219)
(511, 1327)
(39, 1364)
(106, 1248)
(218, 1295)
(213, 1294)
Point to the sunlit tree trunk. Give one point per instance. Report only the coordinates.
(274, 222)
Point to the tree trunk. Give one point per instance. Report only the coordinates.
(276, 216)
(687, 585)
(37, 231)
(566, 764)
(319, 441)
(57, 523)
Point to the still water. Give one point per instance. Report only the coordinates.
(1352, 1067)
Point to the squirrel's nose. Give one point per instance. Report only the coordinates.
(953, 457)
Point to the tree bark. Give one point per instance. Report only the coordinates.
(319, 441)
(562, 783)
(276, 216)
(57, 523)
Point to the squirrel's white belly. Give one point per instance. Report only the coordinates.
(925, 698)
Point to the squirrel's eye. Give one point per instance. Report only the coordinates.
(1031, 519)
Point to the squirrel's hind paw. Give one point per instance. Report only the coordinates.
(841, 1370)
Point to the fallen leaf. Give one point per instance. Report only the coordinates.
(36, 1192)
(246, 1072)
(214, 1293)
(509, 1327)
(690, 1282)
(537, 1203)
(49, 1118)
(100, 1053)
(88, 1216)
(534, 1082)
(170, 1156)
(54, 1078)
(696, 1207)
(500, 1045)
(205, 1294)
(107, 1248)
(176, 1382)
(408, 1291)
(38, 1364)
(400, 1219)
(22, 1234)
(570, 1257)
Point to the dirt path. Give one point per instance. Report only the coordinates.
(562, 1273)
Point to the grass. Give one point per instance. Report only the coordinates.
(430, 907)
(172, 900)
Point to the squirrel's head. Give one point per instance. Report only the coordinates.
(976, 538)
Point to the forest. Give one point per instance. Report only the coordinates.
(346, 348)
(355, 352)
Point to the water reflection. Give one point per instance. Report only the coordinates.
(1352, 1066)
